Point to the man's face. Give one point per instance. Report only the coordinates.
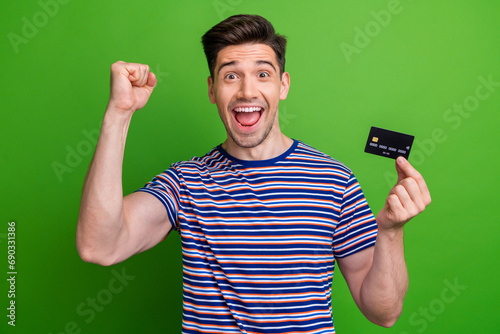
(247, 87)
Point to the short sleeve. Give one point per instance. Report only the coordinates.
(357, 227)
(166, 187)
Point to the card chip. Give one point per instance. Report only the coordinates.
(375, 139)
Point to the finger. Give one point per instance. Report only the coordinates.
(119, 69)
(393, 202)
(133, 73)
(409, 206)
(396, 211)
(401, 207)
(138, 74)
(405, 169)
(145, 75)
(151, 83)
(413, 190)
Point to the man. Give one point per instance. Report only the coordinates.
(262, 217)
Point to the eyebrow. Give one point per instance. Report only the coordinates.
(258, 62)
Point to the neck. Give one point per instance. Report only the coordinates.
(271, 147)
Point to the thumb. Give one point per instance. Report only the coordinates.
(144, 92)
(400, 161)
(151, 83)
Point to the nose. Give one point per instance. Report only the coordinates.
(248, 89)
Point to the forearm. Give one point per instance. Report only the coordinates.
(377, 276)
(101, 210)
(384, 288)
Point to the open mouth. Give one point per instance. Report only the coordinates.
(247, 116)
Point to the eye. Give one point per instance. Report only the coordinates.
(263, 75)
(230, 76)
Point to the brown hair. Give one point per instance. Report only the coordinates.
(241, 29)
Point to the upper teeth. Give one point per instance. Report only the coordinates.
(251, 109)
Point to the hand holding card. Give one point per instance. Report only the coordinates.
(410, 195)
(407, 198)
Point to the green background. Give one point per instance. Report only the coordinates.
(404, 74)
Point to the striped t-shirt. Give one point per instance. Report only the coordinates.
(260, 238)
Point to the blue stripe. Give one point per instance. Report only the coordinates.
(260, 238)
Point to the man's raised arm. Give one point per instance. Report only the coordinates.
(112, 228)
(377, 276)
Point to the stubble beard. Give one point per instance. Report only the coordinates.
(253, 139)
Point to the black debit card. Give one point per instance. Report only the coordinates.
(388, 143)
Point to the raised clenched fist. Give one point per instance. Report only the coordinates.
(131, 86)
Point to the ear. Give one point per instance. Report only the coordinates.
(211, 94)
(285, 85)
